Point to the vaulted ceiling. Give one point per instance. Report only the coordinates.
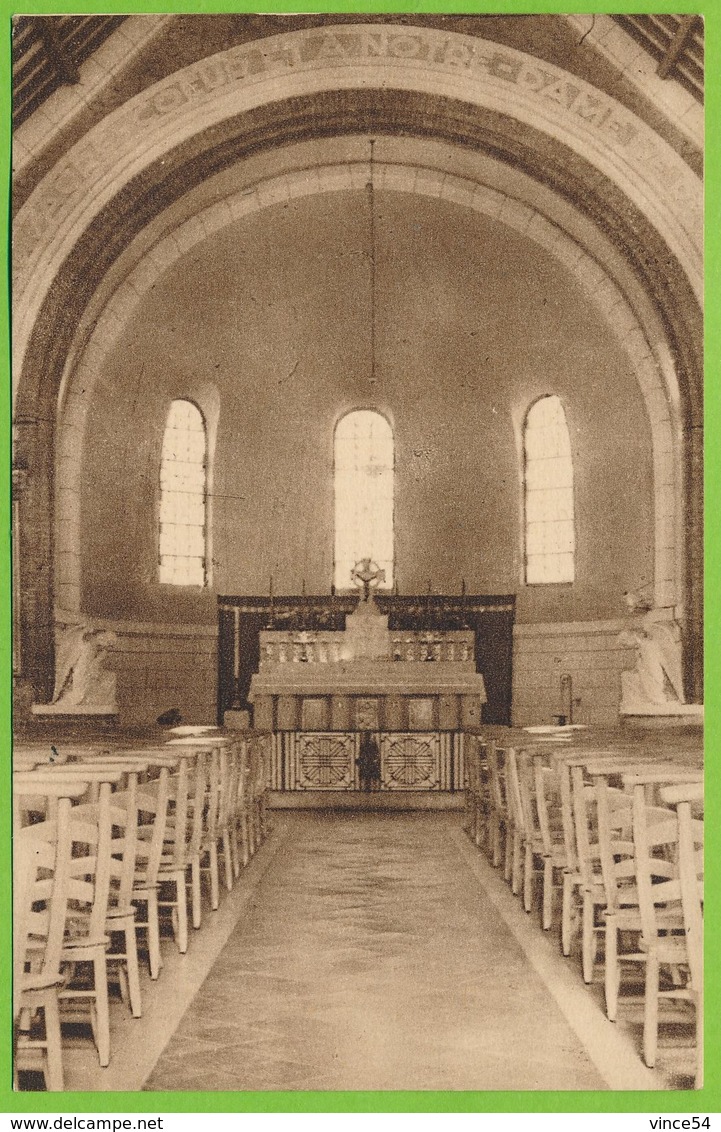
(49, 50)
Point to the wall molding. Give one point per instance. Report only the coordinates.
(154, 629)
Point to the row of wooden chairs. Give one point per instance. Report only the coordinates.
(105, 844)
(621, 840)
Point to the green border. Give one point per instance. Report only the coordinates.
(707, 1100)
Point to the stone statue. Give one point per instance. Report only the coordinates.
(658, 675)
(80, 679)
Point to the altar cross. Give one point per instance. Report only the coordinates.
(367, 572)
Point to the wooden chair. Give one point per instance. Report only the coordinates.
(85, 945)
(183, 837)
(120, 921)
(589, 864)
(688, 802)
(152, 803)
(472, 824)
(35, 795)
(500, 826)
(553, 790)
(216, 828)
(152, 769)
(226, 787)
(153, 798)
(239, 815)
(41, 869)
(258, 799)
(618, 868)
(83, 953)
(582, 850)
(657, 851)
(521, 833)
(546, 850)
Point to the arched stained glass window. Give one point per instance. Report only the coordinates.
(182, 537)
(550, 531)
(363, 479)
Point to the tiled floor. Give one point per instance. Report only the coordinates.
(370, 957)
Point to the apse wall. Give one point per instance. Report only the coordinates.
(267, 326)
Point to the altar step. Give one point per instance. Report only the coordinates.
(355, 800)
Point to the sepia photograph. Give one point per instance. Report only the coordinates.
(357, 552)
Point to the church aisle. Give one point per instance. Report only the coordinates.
(370, 957)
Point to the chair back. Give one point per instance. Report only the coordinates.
(497, 773)
(200, 801)
(545, 806)
(562, 771)
(615, 839)
(258, 764)
(152, 808)
(234, 757)
(226, 762)
(244, 783)
(688, 802)
(123, 849)
(41, 872)
(656, 846)
(472, 768)
(177, 822)
(516, 766)
(90, 868)
(585, 812)
(211, 817)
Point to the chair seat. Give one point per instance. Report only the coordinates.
(170, 865)
(121, 912)
(38, 982)
(70, 946)
(624, 919)
(669, 950)
(142, 885)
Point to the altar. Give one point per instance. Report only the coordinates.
(319, 691)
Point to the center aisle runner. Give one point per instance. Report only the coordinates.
(370, 958)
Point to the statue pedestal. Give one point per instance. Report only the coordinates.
(65, 718)
(644, 716)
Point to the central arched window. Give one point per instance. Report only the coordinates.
(364, 460)
(182, 537)
(550, 529)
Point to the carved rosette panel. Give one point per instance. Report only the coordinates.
(325, 762)
(410, 762)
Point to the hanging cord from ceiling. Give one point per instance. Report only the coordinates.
(370, 189)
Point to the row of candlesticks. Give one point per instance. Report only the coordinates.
(394, 590)
(335, 652)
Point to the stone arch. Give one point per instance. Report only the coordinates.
(448, 65)
(78, 219)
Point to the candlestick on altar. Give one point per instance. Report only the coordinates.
(463, 587)
(302, 587)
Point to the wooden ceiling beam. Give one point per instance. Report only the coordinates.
(59, 57)
(676, 46)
